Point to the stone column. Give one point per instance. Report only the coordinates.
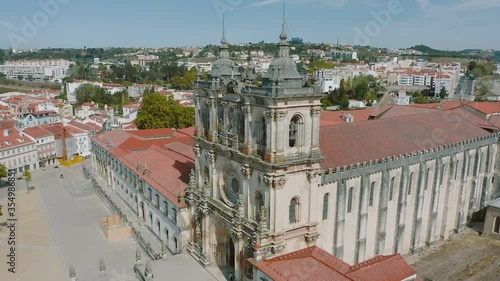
(205, 236)
(247, 145)
(212, 135)
(198, 117)
(315, 118)
(280, 136)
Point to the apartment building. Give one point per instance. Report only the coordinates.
(18, 150)
(54, 70)
(45, 144)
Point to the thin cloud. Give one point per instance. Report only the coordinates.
(477, 5)
(264, 3)
(328, 3)
(7, 24)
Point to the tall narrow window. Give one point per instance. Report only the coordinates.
(427, 178)
(263, 131)
(410, 183)
(158, 224)
(166, 235)
(294, 211)
(496, 225)
(241, 126)
(456, 170)
(293, 131)
(205, 119)
(325, 206)
(259, 202)
(372, 192)
(391, 188)
(441, 177)
(349, 199)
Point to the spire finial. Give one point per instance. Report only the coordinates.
(283, 35)
(223, 40)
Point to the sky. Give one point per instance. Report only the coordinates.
(440, 24)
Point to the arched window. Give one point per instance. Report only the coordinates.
(241, 126)
(410, 183)
(230, 119)
(372, 192)
(496, 225)
(349, 199)
(259, 203)
(294, 132)
(205, 119)
(325, 206)
(391, 188)
(293, 214)
(260, 131)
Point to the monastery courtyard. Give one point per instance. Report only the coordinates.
(57, 227)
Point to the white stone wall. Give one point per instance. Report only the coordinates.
(427, 213)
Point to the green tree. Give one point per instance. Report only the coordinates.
(3, 171)
(157, 111)
(27, 178)
(442, 93)
(89, 92)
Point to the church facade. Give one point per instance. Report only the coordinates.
(270, 180)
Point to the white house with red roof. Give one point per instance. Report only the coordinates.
(86, 109)
(149, 170)
(18, 151)
(45, 143)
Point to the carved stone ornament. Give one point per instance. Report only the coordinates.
(278, 249)
(280, 115)
(311, 237)
(197, 150)
(246, 170)
(246, 108)
(315, 111)
(211, 157)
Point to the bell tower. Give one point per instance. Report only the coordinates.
(257, 161)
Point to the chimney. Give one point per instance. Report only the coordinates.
(5, 132)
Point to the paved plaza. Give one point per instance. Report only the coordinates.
(58, 227)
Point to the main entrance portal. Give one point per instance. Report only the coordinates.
(222, 247)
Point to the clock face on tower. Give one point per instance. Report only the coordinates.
(231, 187)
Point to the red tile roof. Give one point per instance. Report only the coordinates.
(167, 153)
(382, 268)
(329, 118)
(81, 126)
(399, 110)
(377, 139)
(55, 129)
(12, 137)
(7, 124)
(37, 132)
(313, 263)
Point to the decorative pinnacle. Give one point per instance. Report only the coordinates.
(223, 40)
(283, 35)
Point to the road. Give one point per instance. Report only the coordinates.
(465, 90)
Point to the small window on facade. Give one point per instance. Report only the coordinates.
(349, 199)
(166, 235)
(325, 206)
(441, 177)
(496, 225)
(159, 225)
(427, 178)
(175, 242)
(391, 188)
(372, 191)
(293, 131)
(294, 211)
(410, 183)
